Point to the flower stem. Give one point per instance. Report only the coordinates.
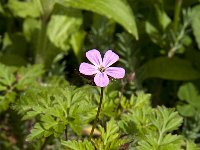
(97, 115)
(66, 136)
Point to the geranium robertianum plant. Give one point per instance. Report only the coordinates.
(101, 70)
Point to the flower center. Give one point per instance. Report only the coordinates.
(101, 69)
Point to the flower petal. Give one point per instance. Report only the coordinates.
(109, 58)
(94, 57)
(101, 79)
(115, 72)
(88, 69)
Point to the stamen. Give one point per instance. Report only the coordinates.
(101, 69)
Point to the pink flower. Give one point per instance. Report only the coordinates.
(101, 68)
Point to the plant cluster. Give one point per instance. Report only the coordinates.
(53, 98)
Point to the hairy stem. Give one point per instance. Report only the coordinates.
(97, 115)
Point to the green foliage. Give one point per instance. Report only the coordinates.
(191, 127)
(110, 138)
(14, 80)
(152, 128)
(169, 68)
(195, 23)
(28, 76)
(189, 107)
(69, 20)
(55, 36)
(134, 119)
(166, 120)
(56, 108)
(188, 94)
(123, 15)
(7, 77)
(23, 9)
(162, 121)
(191, 146)
(78, 145)
(158, 42)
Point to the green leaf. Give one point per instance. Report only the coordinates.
(191, 146)
(168, 68)
(169, 138)
(153, 32)
(7, 77)
(1, 9)
(77, 41)
(110, 138)
(186, 110)
(163, 18)
(64, 22)
(36, 133)
(196, 23)
(78, 145)
(13, 60)
(118, 10)
(166, 120)
(6, 100)
(190, 94)
(15, 47)
(24, 9)
(28, 76)
(30, 27)
(55, 108)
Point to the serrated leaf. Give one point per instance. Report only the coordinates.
(123, 15)
(7, 77)
(168, 68)
(6, 100)
(55, 108)
(28, 76)
(78, 145)
(49, 121)
(165, 119)
(110, 137)
(36, 133)
(169, 138)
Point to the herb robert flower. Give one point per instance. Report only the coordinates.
(101, 68)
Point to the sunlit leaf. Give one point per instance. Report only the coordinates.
(117, 10)
(64, 22)
(24, 8)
